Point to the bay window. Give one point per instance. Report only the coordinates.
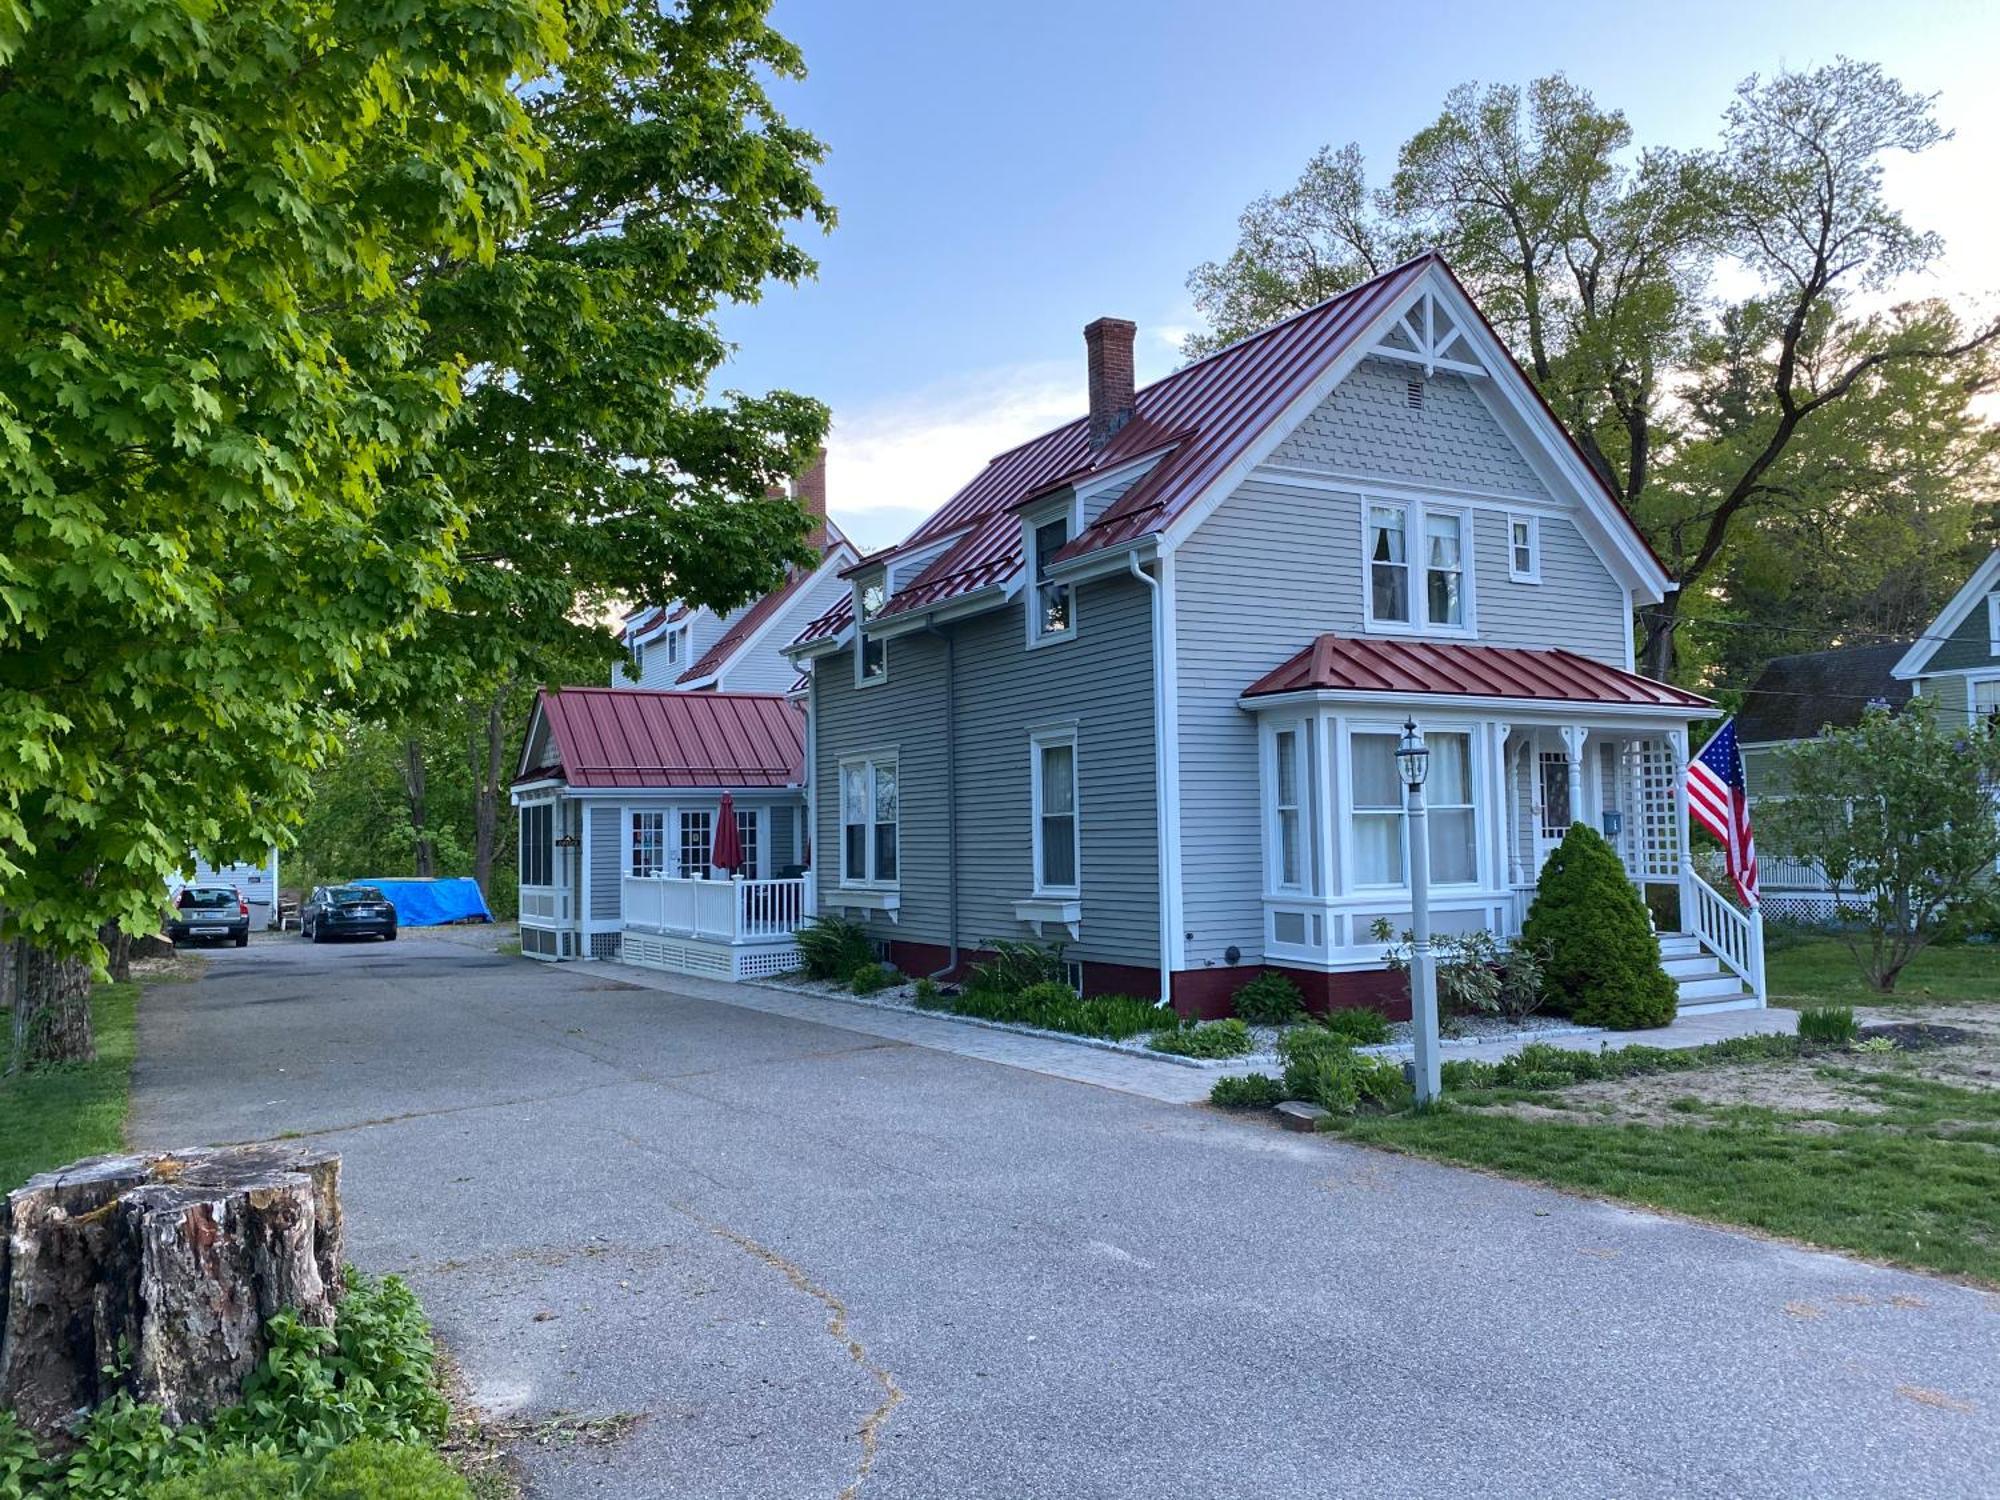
(1053, 768)
(1378, 812)
(868, 817)
(649, 843)
(1288, 783)
(1454, 829)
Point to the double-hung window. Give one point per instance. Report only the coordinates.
(1388, 565)
(649, 843)
(697, 840)
(871, 654)
(1444, 568)
(676, 646)
(638, 659)
(868, 816)
(1376, 802)
(1053, 612)
(1053, 772)
(1454, 829)
(1288, 795)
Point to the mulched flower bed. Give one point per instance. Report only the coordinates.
(1916, 1036)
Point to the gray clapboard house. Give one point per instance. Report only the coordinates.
(1955, 662)
(1137, 686)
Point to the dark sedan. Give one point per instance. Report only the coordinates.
(335, 911)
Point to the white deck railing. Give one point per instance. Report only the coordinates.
(727, 911)
(1735, 937)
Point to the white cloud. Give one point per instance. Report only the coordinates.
(890, 463)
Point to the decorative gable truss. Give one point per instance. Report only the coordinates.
(1428, 335)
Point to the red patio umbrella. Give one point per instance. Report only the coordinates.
(727, 853)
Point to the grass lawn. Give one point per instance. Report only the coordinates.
(1888, 1163)
(51, 1117)
(1820, 970)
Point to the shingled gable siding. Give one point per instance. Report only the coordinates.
(1971, 645)
(1102, 680)
(1277, 563)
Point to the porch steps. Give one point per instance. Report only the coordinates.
(1703, 983)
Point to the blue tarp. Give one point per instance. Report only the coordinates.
(432, 903)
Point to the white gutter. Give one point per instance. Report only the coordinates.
(1166, 999)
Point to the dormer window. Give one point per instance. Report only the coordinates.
(1052, 605)
(638, 659)
(871, 654)
(675, 646)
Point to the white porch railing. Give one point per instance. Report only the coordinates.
(727, 911)
(1735, 937)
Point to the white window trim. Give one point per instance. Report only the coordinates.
(1533, 572)
(1993, 623)
(1416, 554)
(1307, 806)
(1973, 680)
(676, 643)
(1054, 736)
(861, 679)
(631, 816)
(1031, 594)
(638, 660)
(870, 759)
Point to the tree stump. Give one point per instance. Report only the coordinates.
(157, 1275)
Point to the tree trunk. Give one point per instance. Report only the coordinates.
(413, 791)
(487, 752)
(51, 1008)
(1659, 621)
(117, 951)
(158, 1275)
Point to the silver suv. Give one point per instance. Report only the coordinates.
(210, 914)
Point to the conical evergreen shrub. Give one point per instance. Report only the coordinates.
(1604, 961)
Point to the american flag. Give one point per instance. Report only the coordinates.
(1719, 800)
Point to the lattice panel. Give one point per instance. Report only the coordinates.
(1660, 830)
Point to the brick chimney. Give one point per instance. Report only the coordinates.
(809, 490)
(1109, 342)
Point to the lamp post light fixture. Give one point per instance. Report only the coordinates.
(1413, 760)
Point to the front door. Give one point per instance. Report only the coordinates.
(1553, 813)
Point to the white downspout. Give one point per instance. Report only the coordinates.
(1166, 999)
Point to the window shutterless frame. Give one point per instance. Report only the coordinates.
(1056, 834)
(1051, 606)
(871, 655)
(1417, 566)
(1524, 548)
(870, 816)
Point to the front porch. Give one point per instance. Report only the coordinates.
(1509, 776)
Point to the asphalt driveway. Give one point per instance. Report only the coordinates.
(815, 1262)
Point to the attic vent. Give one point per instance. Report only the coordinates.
(1415, 399)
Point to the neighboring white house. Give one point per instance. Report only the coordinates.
(681, 647)
(1138, 684)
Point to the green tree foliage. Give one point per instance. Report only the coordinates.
(1597, 260)
(1603, 963)
(217, 396)
(1898, 816)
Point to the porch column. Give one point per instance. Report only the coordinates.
(1503, 799)
(1677, 758)
(1326, 807)
(1573, 737)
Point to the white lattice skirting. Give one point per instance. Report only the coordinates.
(682, 955)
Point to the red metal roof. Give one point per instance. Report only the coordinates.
(1338, 663)
(1205, 414)
(638, 737)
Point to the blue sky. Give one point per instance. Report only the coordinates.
(1005, 173)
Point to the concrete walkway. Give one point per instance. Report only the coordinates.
(1152, 1078)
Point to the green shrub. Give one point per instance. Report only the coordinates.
(372, 1470)
(1230, 1038)
(872, 977)
(237, 1474)
(1542, 1066)
(927, 995)
(122, 1448)
(21, 1466)
(1017, 965)
(1251, 1091)
(832, 947)
(1603, 960)
(1322, 1067)
(1055, 1007)
(1828, 1023)
(1360, 1025)
(1268, 1000)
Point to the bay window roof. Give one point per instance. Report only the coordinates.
(1348, 664)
